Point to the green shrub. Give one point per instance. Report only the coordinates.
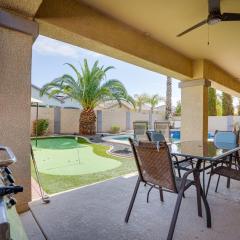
(115, 129)
(42, 127)
(178, 109)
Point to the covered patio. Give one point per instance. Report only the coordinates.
(98, 211)
(142, 33)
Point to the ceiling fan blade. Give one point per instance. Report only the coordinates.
(213, 6)
(192, 28)
(231, 17)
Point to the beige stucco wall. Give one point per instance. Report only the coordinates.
(110, 117)
(157, 117)
(115, 116)
(70, 121)
(43, 113)
(15, 85)
(139, 116)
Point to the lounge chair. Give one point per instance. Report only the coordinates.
(164, 128)
(140, 128)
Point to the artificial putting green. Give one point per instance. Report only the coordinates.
(66, 156)
(58, 183)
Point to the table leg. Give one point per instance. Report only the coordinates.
(204, 176)
(198, 167)
(230, 164)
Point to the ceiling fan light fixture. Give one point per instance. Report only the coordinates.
(214, 18)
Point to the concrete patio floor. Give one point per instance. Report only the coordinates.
(97, 212)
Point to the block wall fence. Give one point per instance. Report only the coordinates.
(68, 119)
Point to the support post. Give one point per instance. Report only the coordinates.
(15, 97)
(194, 119)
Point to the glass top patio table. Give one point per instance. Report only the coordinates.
(208, 150)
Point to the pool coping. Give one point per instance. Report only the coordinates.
(109, 139)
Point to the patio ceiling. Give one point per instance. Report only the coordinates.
(163, 20)
(143, 33)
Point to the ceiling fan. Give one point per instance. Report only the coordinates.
(214, 16)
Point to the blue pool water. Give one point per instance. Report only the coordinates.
(175, 136)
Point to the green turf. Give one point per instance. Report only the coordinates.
(65, 156)
(55, 183)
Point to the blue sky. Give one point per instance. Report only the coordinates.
(50, 55)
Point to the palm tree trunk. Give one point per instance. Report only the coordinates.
(150, 119)
(87, 122)
(168, 110)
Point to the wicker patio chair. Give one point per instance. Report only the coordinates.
(155, 169)
(222, 138)
(182, 164)
(140, 128)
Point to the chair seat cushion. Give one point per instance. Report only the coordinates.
(227, 172)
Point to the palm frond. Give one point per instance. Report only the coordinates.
(90, 87)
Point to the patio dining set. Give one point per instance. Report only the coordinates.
(160, 166)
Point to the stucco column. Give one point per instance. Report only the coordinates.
(194, 116)
(15, 101)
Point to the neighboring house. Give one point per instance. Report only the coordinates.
(69, 102)
(161, 109)
(145, 108)
(114, 105)
(55, 101)
(46, 101)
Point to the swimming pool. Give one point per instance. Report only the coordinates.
(174, 134)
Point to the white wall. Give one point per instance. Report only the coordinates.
(217, 123)
(223, 123)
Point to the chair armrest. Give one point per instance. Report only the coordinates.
(180, 161)
(187, 173)
(184, 178)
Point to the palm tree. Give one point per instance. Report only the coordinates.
(153, 101)
(140, 100)
(168, 111)
(89, 88)
(178, 109)
(238, 107)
